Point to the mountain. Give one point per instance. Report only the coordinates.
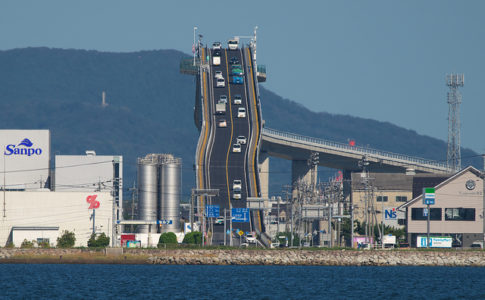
(150, 110)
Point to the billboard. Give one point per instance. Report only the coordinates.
(392, 215)
(25, 159)
(434, 241)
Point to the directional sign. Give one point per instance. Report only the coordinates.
(240, 215)
(212, 211)
(164, 222)
(429, 196)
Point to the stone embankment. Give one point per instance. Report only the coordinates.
(247, 257)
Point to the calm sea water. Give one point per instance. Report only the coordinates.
(238, 282)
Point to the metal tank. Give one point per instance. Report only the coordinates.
(170, 191)
(147, 192)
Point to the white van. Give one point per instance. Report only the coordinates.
(233, 44)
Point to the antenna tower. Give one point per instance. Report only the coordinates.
(453, 155)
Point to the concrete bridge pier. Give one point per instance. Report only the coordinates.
(263, 166)
(302, 172)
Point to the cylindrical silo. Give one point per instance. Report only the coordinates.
(170, 190)
(147, 192)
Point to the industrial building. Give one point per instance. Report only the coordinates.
(82, 194)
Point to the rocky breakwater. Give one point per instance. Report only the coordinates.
(318, 257)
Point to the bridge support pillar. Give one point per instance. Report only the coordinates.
(302, 172)
(264, 174)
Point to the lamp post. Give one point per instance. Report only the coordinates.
(193, 45)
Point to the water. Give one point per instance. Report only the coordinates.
(238, 282)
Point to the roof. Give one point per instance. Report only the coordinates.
(443, 183)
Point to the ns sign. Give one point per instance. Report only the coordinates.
(390, 214)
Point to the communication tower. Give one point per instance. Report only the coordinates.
(453, 155)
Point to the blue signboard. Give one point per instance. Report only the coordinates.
(164, 222)
(240, 215)
(212, 211)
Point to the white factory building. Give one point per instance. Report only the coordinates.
(38, 202)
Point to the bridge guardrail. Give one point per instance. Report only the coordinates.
(356, 149)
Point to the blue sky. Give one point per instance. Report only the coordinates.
(383, 60)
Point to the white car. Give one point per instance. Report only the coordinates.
(220, 82)
(219, 221)
(237, 185)
(218, 74)
(237, 99)
(222, 123)
(236, 195)
(216, 46)
(241, 140)
(251, 238)
(236, 148)
(233, 44)
(241, 112)
(223, 99)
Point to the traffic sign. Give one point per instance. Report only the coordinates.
(164, 222)
(429, 196)
(240, 215)
(228, 231)
(212, 211)
(241, 232)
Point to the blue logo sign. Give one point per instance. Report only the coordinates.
(390, 214)
(240, 215)
(23, 148)
(212, 211)
(164, 222)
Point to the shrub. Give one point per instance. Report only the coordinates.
(193, 238)
(100, 241)
(66, 240)
(10, 245)
(168, 238)
(27, 244)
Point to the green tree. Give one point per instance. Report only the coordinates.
(193, 238)
(168, 238)
(98, 241)
(66, 240)
(27, 244)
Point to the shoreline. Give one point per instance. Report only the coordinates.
(284, 257)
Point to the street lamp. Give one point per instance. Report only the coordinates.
(193, 45)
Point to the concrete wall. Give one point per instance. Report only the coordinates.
(66, 210)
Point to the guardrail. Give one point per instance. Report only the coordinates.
(355, 149)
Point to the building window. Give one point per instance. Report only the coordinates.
(401, 222)
(459, 214)
(419, 214)
(381, 198)
(401, 198)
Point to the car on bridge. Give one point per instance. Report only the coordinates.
(233, 44)
(222, 123)
(218, 74)
(241, 112)
(223, 99)
(220, 82)
(237, 70)
(236, 195)
(234, 61)
(237, 184)
(237, 80)
(219, 221)
(241, 140)
(236, 148)
(237, 99)
(216, 46)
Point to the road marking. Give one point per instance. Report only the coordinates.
(206, 129)
(232, 130)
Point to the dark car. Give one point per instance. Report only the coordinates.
(234, 61)
(237, 80)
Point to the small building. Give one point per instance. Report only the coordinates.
(458, 210)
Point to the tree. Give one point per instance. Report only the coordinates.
(66, 240)
(168, 238)
(193, 238)
(98, 241)
(27, 244)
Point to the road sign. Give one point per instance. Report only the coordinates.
(240, 232)
(164, 222)
(240, 215)
(425, 212)
(228, 231)
(429, 196)
(212, 211)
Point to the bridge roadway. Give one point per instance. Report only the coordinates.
(341, 156)
(222, 165)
